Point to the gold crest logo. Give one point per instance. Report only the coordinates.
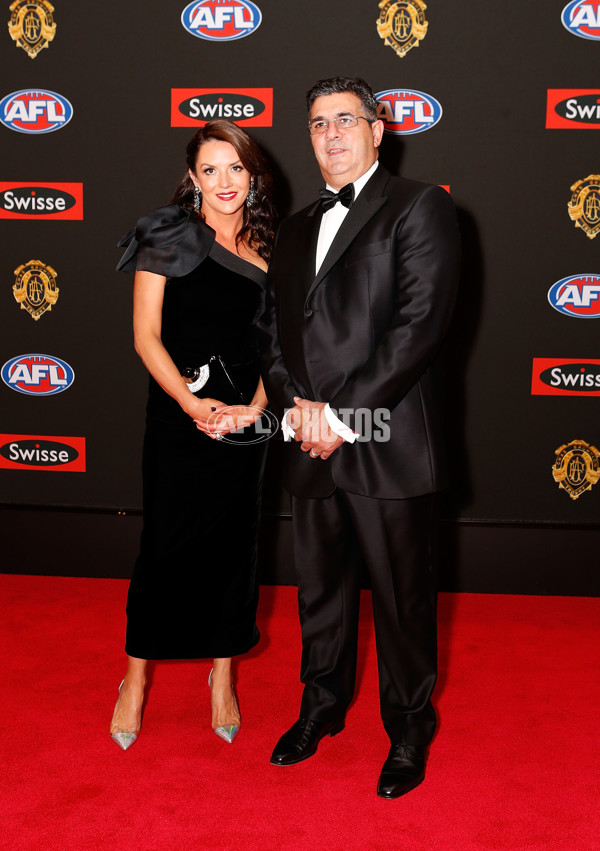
(401, 24)
(32, 25)
(35, 288)
(584, 206)
(577, 467)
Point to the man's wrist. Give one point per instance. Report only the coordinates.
(338, 427)
(286, 429)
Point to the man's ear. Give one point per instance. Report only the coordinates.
(377, 128)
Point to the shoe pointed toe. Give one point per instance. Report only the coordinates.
(123, 739)
(227, 733)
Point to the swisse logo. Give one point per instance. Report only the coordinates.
(35, 111)
(582, 18)
(41, 200)
(37, 375)
(42, 452)
(565, 377)
(248, 107)
(577, 296)
(221, 20)
(569, 109)
(404, 111)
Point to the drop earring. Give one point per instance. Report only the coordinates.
(197, 199)
(251, 196)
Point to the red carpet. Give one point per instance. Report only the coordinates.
(515, 763)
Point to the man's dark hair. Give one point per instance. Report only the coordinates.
(336, 85)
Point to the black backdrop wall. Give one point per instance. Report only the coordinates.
(124, 70)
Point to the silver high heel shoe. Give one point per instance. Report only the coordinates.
(124, 738)
(229, 731)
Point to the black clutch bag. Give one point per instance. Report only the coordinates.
(215, 380)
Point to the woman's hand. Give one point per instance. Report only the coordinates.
(204, 411)
(229, 418)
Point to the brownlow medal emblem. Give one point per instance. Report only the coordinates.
(402, 24)
(584, 206)
(35, 288)
(32, 25)
(577, 467)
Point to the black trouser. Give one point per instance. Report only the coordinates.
(396, 541)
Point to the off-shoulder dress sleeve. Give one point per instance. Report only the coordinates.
(167, 242)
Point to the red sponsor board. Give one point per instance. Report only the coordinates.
(42, 452)
(573, 109)
(35, 200)
(246, 107)
(565, 377)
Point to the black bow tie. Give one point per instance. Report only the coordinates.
(329, 199)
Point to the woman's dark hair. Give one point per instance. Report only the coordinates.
(259, 219)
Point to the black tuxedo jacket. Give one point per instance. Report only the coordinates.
(364, 333)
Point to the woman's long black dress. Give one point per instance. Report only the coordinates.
(194, 589)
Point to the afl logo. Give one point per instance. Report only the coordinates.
(263, 428)
(37, 375)
(582, 18)
(35, 111)
(221, 20)
(577, 296)
(404, 111)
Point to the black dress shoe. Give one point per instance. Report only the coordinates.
(403, 769)
(302, 739)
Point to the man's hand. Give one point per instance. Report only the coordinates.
(297, 418)
(312, 430)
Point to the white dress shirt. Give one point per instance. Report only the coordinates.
(331, 222)
(333, 218)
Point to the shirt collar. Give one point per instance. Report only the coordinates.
(360, 182)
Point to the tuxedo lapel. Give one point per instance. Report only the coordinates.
(370, 200)
(308, 242)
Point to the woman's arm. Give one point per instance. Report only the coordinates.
(259, 400)
(148, 294)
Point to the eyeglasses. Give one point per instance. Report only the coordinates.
(342, 122)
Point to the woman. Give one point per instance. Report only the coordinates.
(200, 271)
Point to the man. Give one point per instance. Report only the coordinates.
(363, 285)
